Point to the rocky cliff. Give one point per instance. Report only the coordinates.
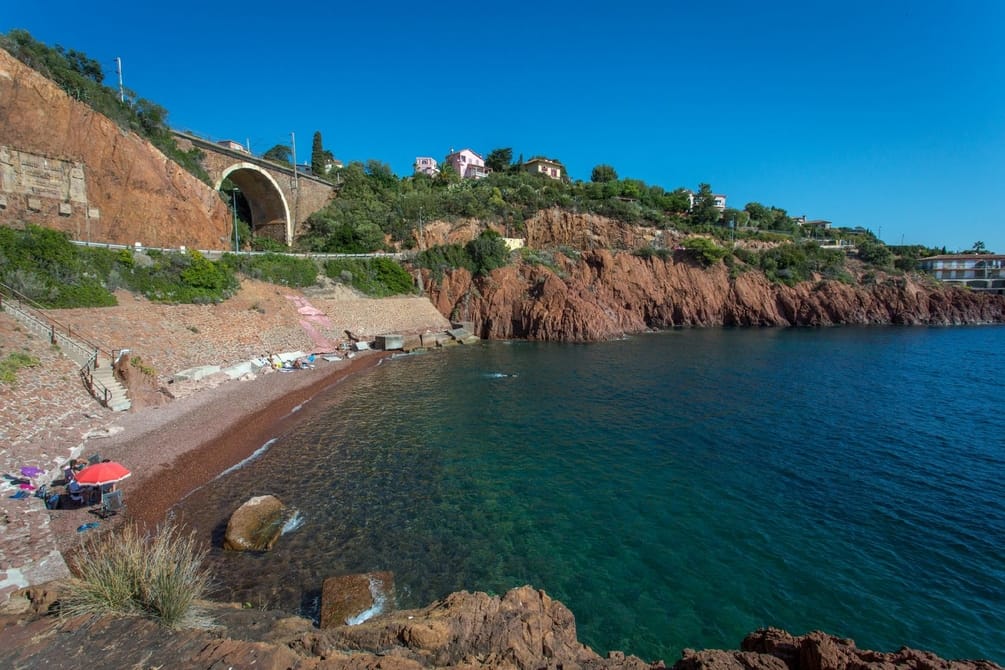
(64, 166)
(604, 294)
(522, 630)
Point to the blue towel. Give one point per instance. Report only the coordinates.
(87, 526)
(20, 494)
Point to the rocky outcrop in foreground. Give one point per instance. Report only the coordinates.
(522, 630)
(604, 295)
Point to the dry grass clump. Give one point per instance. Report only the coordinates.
(160, 576)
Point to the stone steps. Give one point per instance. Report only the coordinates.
(118, 396)
(78, 351)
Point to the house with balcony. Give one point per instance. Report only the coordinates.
(818, 224)
(426, 165)
(543, 166)
(980, 272)
(467, 164)
(718, 198)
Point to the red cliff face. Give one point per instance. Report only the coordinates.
(605, 295)
(131, 192)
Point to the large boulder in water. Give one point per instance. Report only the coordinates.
(256, 525)
(352, 599)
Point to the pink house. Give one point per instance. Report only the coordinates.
(545, 167)
(426, 165)
(467, 164)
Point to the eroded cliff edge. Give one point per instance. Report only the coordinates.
(523, 630)
(604, 294)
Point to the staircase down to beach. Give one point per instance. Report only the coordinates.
(97, 369)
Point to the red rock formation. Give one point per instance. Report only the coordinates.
(523, 630)
(139, 194)
(820, 651)
(605, 295)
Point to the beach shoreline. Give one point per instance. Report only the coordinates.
(177, 448)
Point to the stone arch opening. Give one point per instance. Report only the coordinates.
(266, 204)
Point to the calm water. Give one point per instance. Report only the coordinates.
(673, 490)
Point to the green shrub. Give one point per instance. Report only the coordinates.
(487, 252)
(275, 268)
(653, 252)
(14, 362)
(129, 573)
(443, 257)
(704, 250)
(43, 265)
(268, 244)
(180, 277)
(376, 277)
(792, 263)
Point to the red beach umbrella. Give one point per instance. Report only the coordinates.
(98, 474)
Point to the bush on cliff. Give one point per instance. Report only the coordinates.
(790, 264)
(179, 277)
(132, 574)
(704, 250)
(82, 78)
(480, 256)
(377, 277)
(45, 267)
(275, 268)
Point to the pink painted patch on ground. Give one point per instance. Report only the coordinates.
(313, 319)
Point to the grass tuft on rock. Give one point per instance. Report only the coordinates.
(130, 573)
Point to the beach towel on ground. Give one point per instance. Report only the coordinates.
(19, 495)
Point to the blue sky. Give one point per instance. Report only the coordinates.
(883, 114)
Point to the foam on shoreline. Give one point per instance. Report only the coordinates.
(231, 426)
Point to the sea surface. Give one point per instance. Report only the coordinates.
(674, 490)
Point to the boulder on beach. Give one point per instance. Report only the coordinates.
(256, 525)
(352, 599)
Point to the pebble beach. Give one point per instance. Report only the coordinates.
(192, 430)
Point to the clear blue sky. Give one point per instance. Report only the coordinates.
(884, 114)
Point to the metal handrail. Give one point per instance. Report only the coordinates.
(31, 312)
(98, 390)
(51, 324)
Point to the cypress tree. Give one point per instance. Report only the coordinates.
(317, 155)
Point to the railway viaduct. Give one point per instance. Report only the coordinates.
(274, 199)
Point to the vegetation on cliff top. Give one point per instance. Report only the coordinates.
(44, 266)
(82, 78)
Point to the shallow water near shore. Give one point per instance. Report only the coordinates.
(674, 490)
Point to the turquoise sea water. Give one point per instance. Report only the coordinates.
(674, 490)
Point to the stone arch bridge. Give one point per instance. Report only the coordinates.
(274, 199)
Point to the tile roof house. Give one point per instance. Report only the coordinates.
(468, 164)
(545, 167)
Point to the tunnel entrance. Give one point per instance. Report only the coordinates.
(259, 201)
